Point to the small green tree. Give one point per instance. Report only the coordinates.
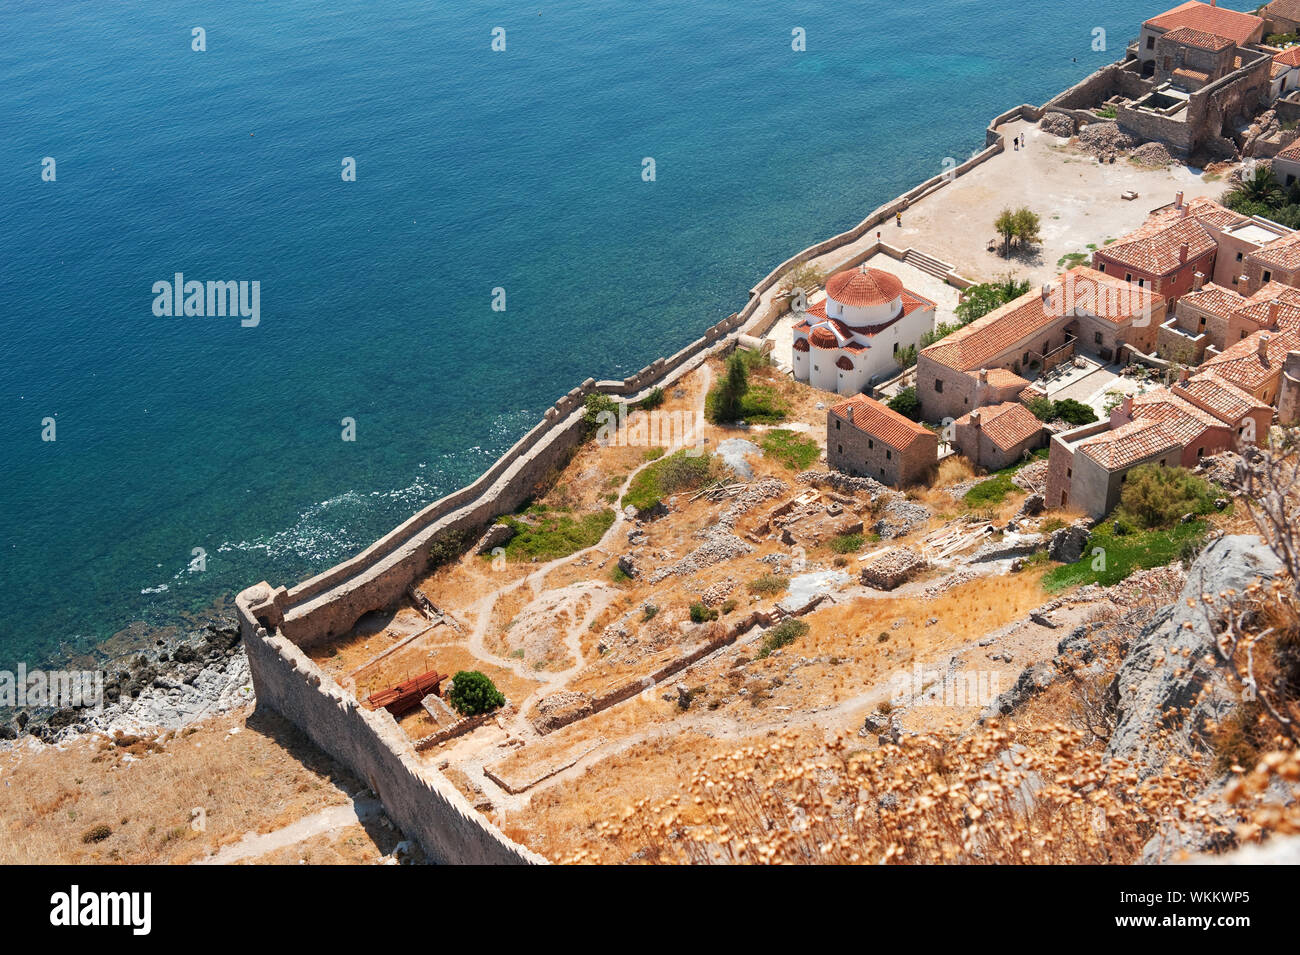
(1005, 223)
(727, 405)
(905, 357)
(1074, 412)
(1156, 496)
(907, 404)
(594, 407)
(473, 692)
(1027, 225)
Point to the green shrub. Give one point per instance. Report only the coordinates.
(907, 404)
(783, 634)
(1124, 552)
(653, 400)
(648, 612)
(594, 408)
(702, 614)
(1155, 496)
(847, 543)
(796, 451)
(681, 471)
(769, 585)
(555, 534)
(447, 547)
(728, 606)
(473, 692)
(1075, 412)
(978, 300)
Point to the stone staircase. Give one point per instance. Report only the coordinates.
(927, 264)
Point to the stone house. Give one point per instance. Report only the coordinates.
(867, 439)
(1281, 16)
(996, 436)
(986, 361)
(1087, 467)
(1211, 318)
(1193, 59)
(1210, 19)
(1228, 403)
(1286, 164)
(1254, 364)
(1199, 432)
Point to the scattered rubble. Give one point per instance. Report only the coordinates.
(1058, 124)
(1106, 140)
(1152, 155)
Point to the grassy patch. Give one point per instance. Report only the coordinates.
(847, 543)
(783, 634)
(682, 471)
(1072, 259)
(989, 493)
(796, 451)
(1124, 553)
(769, 585)
(552, 534)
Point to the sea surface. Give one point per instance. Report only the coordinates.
(476, 170)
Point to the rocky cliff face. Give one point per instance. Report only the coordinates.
(1171, 685)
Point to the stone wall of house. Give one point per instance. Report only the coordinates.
(855, 452)
(1288, 400)
(977, 446)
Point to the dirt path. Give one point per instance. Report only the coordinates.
(257, 844)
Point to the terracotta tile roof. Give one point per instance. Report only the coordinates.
(1005, 378)
(1181, 418)
(1214, 299)
(1220, 398)
(1286, 9)
(1196, 76)
(844, 363)
(801, 344)
(1288, 57)
(1155, 247)
(1239, 27)
(873, 418)
(1279, 69)
(864, 287)
(1128, 444)
(1282, 253)
(1242, 365)
(821, 336)
(1188, 36)
(1291, 152)
(1031, 392)
(818, 310)
(1007, 424)
(1080, 289)
(1261, 313)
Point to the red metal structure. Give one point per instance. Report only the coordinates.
(406, 695)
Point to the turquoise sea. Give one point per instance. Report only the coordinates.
(475, 170)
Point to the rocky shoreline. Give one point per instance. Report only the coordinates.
(192, 675)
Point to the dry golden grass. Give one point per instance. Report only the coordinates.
(257, 780)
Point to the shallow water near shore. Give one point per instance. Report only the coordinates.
(476, 170)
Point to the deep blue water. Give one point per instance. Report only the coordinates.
(475, 170)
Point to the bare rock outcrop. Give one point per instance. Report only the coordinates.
(1170, 687)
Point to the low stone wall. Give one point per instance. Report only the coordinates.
(417, 798)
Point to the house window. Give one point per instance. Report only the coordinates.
(1268, 276)
(1026, 359)
(1141, 282)
(1202, 321)
(889, 455)
(837, 424)
(938, 385)
(1128, 276)
(870, 444)
(839, 448)
(1200, 453)
(1151, 43)
(1096, 337)
(1238, 256)
(1069, 472)
(895, 348)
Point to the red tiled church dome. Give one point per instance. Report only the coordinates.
(801, 344)
(822, 337)
(862, 288)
